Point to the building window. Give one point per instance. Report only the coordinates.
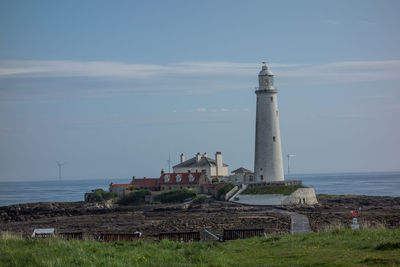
(169, 188)
(273, 138)
(178, 178)
(166, 178)
(191, 178)
(272, 98)
(262, 177)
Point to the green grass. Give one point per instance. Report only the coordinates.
(224, 189)
(98, 195)
(134, 197)
(335, 248)
(270, 189)
(175, 196)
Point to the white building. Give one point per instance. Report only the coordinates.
(213, 168)
(268, 152)
(241, 176)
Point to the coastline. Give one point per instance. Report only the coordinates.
(333, 211)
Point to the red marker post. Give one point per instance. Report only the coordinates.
(354, 214)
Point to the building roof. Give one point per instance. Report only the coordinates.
(145, 182)
(173, 178)
(242, 170)
(120, 185)
(204, 162)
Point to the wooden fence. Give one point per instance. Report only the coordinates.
(180, 236)
(107, 237)
(233, 234)
(71, 235)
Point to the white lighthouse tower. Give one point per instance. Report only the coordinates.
(268, 152)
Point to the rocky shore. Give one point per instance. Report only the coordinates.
(148, 219)
(332, 211)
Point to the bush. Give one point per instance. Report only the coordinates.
(135, 197)
(175, 196)
(200, 200)
(224, 189)
(98, 195)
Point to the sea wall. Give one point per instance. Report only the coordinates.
(303, 196)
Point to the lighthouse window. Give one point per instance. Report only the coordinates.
(272, 98)
(274, 138)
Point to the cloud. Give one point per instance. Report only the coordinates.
(37, 68)
(30, 79)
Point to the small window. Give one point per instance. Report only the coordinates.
(166, 178)
(272, 98)
(262, 177)
(273, 138)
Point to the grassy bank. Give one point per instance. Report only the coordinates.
(270, 189)
(340, 247)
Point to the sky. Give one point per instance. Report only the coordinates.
(116, 88)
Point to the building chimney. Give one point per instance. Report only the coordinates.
(218, 160)
(198, 157)
(205, 155)
(182, 158)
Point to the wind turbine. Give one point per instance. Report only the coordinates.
(59, 164)
(169, 162)
(288, 162)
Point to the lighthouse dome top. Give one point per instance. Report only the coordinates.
(265, 71)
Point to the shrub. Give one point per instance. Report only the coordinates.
(135, 197)
(98, 195)
(175, 196)
(200, 200)
(224, 189)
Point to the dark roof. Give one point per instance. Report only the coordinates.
(242, 170)
(120, 185)
(184, 178)
(145, 182)
(204, 161)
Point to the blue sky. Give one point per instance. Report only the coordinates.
(113, 88)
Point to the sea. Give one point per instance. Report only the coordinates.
(373, 184)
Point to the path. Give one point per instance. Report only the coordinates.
(299, 222)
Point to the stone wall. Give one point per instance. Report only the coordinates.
(302, 196)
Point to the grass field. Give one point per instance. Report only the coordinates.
(335, 248)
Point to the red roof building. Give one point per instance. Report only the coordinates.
(167, 181)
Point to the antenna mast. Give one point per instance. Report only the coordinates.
(288, 162)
